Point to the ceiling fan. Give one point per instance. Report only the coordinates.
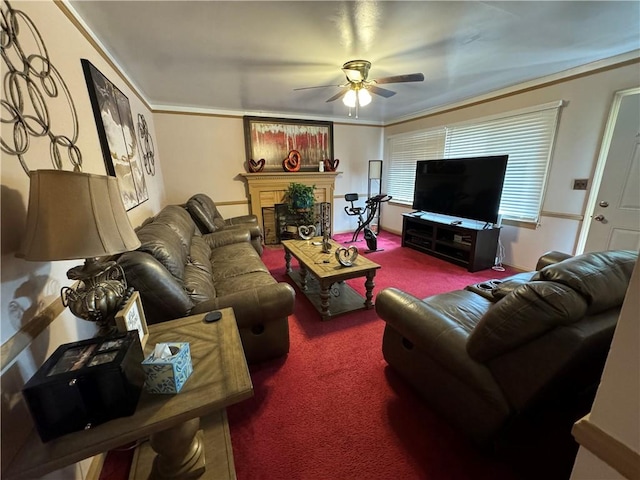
(356, 90)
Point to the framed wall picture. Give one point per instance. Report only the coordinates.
(117, 135)
(131, 317)
(274, 138)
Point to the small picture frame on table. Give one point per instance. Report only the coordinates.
(131, 317)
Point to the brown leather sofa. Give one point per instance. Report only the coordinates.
(495, 351)
(208, 219)
(180, 272)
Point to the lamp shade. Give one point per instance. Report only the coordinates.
(75, 215)
(350, 98)
(364, 97)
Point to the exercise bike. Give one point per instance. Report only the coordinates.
(365, 217)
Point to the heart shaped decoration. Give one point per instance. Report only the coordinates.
(256, 166)
(331, 165)
(307, 232)
(293, 162)
(346, 256)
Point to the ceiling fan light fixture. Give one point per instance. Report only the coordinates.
(350, 98)
(364, 97)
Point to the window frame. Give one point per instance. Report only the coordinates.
(551, 110)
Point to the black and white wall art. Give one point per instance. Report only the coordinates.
(117, 135)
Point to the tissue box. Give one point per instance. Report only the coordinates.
(168, 375)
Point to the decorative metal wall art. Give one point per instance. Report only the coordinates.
(30, 86)
(146, 146)
(117, 135)
(275, 139)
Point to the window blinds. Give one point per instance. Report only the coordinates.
(404, 151)
(527, 136)
(528, 139)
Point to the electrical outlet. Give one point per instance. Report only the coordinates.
(580, 183)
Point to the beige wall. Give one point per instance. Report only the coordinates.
(616, 409)
(206, 153)
(580, 129)
(28, 287)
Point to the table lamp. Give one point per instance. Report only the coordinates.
(75, 215)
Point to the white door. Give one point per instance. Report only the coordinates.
(614, 219)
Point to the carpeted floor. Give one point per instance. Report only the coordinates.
(333, 409)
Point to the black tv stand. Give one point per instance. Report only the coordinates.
(463, 244)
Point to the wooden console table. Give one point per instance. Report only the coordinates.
(267, 189)
(220, 378)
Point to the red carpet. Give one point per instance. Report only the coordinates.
(333, 409)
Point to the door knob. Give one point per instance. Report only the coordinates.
(604, 204)
(599, 218)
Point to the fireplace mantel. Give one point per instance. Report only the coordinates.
(267, 189)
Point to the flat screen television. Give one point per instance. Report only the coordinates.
(461, 187)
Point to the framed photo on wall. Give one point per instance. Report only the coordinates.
(131, 317)
(273, 139)
(117, 135)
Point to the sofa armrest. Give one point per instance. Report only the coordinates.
(247, 220)
(268, 302)
(163, 296)
(550, 258)
(254, 230)
(227, 237)
(437, 335)
(413, 318)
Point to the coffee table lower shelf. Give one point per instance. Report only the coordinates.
(218, 451)
(343, 298)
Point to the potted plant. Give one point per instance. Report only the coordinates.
(301, 201)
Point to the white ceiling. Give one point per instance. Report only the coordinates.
(247, 57)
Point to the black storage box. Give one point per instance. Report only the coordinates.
(86, 383)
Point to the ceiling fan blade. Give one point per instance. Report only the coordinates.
(338, 95)
(410, 77)
(381, 91)
(317, 86)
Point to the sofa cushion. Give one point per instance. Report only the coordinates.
(462, 308)
(234, 260)
(601, 277)
(200, 253)
(179, 220)
(528, 312)
(163, 243)
(246, 282)
(198, 284)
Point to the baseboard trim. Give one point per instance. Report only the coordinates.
(607, 448)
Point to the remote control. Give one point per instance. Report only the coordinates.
(212, 316)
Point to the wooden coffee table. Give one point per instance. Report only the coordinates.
(326, 288)
(220, 378)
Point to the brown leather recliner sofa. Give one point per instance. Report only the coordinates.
(487, 355)
(208, 219)
(180, 272)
